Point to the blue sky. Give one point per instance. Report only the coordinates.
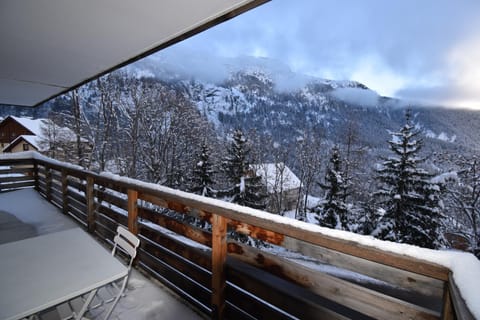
(418, 50)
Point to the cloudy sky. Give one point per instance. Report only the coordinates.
(418, 50)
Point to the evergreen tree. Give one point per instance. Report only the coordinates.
(202, 179)
(463, 200)
(246, 187)
(409, 201)
(332, 212)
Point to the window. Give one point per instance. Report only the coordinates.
(25, 147)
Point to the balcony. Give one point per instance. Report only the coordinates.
(287, 269)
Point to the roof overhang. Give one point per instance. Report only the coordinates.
(52, 46)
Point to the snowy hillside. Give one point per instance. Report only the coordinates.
(266, 95)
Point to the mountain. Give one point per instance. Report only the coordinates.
(265, 95)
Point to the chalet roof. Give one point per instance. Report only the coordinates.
(277, 176)
(34, 141)
(52, 46)
(33, 125)
(38, 127)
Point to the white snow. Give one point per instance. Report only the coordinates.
(34, 125)
(444, 177)
(242, 185)
(441, 136)
(31, 209)
(276, 176)
(31, 139)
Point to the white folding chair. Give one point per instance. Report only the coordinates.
(125, 242)
(128, 243)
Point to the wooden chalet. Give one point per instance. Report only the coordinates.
(23, 143)
(13, 127)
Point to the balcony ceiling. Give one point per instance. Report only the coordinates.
(49, 47)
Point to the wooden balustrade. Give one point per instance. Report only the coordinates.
(185, 243)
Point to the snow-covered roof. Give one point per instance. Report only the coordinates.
(34, 125)
(35, 141)
(277, 176)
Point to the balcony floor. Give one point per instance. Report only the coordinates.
(25, 214)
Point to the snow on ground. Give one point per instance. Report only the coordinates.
(28, 206)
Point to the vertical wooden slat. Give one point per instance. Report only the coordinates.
(35, 176)
(89, 195)
(48, 183)
(132, 211)
(447, 309)
(64, 191)
(219, 256)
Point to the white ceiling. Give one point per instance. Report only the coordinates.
(48, 47)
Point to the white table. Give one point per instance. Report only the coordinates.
(42, 272)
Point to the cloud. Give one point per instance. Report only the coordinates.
(442, 96)
(357, 96)
(410, 41)
(186, 63)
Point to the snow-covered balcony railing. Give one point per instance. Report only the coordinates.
(300, 270)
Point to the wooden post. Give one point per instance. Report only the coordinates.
(35, 176)
(48, 183)
(64, 192)
(89, 195)
(219, 257)
(132, 211)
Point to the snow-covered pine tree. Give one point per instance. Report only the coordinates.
(332, 212)
(246, 187)
(202, 178)
(463, 199)
(409, 201)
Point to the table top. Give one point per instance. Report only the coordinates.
(41, 272)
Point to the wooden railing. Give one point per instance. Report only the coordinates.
(293, 270)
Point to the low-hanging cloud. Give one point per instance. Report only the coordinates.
(188, 64)
(357, 96)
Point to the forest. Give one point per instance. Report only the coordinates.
(151, 130)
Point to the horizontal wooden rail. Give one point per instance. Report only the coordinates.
(186, 243)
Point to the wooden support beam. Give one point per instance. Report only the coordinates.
(132, 211)
(35, 176)
(48, 183)
(219, 257)
(89, 195)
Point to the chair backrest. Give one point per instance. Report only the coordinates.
(127, 241)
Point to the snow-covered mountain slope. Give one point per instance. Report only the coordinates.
(265, 95)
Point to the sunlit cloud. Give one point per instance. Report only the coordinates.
(416, 50)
